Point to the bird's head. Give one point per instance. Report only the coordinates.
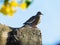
(39, 13)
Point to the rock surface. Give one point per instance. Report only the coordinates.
(25, 35)
(4, 34)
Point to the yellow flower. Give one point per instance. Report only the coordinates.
(23, 6)
(7, 10)
(13, 3)
(11, 12)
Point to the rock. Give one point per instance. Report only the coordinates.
(4, 30)
(29, 36)
(25, 35)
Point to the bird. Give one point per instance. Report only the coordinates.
(33, 21)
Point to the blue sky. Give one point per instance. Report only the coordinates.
(50, 21)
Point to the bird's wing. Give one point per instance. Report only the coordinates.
(32, 19)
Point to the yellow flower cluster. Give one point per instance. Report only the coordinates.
(7, 9)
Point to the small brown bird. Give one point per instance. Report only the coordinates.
(33, 21)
